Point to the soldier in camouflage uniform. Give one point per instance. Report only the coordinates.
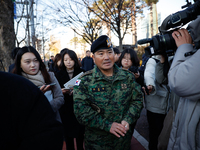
(107, 100)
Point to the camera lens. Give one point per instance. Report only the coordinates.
(168, 42)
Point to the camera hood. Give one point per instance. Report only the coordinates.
(180, 18)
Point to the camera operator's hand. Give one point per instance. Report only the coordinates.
(182, 36)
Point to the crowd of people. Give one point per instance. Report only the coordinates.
(101, 109)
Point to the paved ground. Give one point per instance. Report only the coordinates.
(141, 133)
(142, 125)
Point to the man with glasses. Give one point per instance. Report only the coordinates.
(107, 100)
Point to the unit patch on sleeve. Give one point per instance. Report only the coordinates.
(77, 82)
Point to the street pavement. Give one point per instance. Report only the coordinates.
(141, 132)
(140, 138)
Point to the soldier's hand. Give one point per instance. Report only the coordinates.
(125, 124)
(118, 129)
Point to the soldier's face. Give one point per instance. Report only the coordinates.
(104, 59)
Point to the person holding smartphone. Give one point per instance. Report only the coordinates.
(69, 69)
(128, 60)
(28, 64)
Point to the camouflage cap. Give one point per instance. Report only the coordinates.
(103, 42)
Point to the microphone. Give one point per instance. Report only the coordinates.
(144, 41)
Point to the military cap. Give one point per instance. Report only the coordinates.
(103, 42)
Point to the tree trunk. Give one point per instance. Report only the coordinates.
(119, 36)
(151, 18)
(109, 29)
(156, 19)
(120, 44)
(7, 35)
(133, 20)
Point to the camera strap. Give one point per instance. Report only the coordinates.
(191, 52)
(196, 48)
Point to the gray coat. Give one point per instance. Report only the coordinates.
(157, 101)
(55, 95)
(58, 98)
(184, 81)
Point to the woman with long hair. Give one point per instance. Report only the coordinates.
(69, 69)
(29, 64)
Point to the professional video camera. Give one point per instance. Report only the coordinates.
(164, 43)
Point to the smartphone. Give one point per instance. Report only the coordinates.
(147, 90)
(51, 84)
(133, 69)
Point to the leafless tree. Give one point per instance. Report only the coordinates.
(117, 13)
(76, 16)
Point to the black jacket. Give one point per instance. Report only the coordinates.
(71, 125)
(27, 119)
(87, 63)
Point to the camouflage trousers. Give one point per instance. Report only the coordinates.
(101, 140)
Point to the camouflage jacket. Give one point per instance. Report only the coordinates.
(99, 101)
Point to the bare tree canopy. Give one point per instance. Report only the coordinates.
(77, 17)
(117, 14)
(86, 17)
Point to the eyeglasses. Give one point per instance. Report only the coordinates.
(127, 59)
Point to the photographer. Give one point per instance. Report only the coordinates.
(184, 81)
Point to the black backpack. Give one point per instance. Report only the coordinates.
(142, 67)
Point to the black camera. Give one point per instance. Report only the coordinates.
(164, 43)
